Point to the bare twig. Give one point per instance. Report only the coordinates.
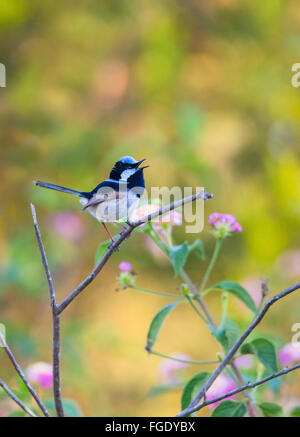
(123, 236)
(247, 386)
(22, 375)
(55, 321)
(194, 405)
(168, 357)
(16, 399)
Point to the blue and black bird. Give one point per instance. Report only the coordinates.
(115, 198)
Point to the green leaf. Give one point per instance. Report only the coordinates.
(238, 291)
(193, 386)
(198, 248)
(229, 409)
(157, 323)
(295, 412)
(102, 248)
(178, 256)
(271, 410)
(71, 408)
(228, 335)
(264, 350)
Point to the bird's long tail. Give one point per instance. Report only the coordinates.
(57, 188)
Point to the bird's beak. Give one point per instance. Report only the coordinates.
(137, 164)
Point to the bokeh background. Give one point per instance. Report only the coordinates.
(202, 89)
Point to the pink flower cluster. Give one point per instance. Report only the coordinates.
(244, 362)
(222, 385)
(174, 218)
(228, 221)
(143, 211)
(290, 353)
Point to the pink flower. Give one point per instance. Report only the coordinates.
(125, 266)
(143, 211)
(172, 217)
(224, 220)
(167, 221)
(127, 276)
(290, 353)
(244, 362)
(168, 368)
(222, 385)
(67, 225)
(224, 225)
(40, 373)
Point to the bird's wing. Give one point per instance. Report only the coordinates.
(95, 200)
(98, 198)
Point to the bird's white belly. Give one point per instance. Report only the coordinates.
(113, 209)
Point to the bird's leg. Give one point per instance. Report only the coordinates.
(107, 230)
(110, 236)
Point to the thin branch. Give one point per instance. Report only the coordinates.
(16, 399)
(168, 357)
(123, 236)
(210, 321)
(247, 386)
(190, 301)
(211, 264)
(157, 293)
(22, 375)
(55, 321)
(194, 405)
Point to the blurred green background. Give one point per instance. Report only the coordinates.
(202, 89)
